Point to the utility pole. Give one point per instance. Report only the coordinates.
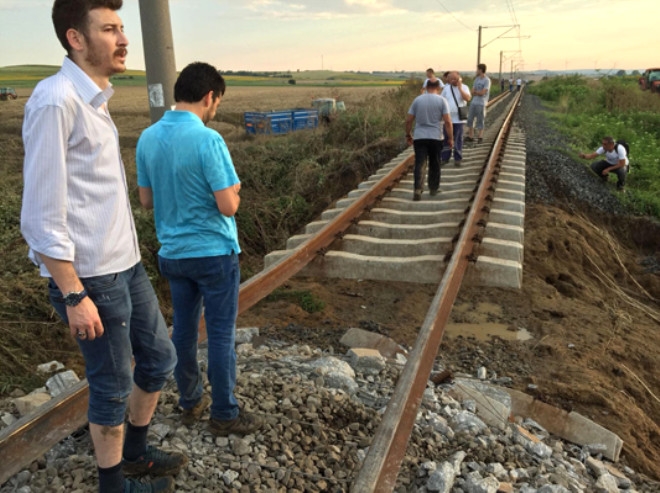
(158, 55)
(501, 54)
(479, 47)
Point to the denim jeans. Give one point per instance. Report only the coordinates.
(427, 148)
(133, 328)
(213, 281)
(458, 143)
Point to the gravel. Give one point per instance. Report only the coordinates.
(318, 433)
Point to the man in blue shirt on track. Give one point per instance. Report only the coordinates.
(185, 173)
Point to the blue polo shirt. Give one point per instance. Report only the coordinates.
(184, 162)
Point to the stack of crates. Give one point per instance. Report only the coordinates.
(280, 122)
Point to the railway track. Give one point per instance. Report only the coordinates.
(472, 228)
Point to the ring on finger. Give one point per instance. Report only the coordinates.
(82, 335)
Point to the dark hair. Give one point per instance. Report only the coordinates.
(196, 80)
(608, 139)
(446, 74)
(482, 67)
(433, 84)
(430, 70)
(74, 14)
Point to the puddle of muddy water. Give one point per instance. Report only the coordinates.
(484, 331)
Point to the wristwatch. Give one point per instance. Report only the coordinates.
(74, 297)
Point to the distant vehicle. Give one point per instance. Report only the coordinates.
(7, 93)
(327, 107)
(280, 122)
(650, 80)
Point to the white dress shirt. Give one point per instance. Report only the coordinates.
(75, 197)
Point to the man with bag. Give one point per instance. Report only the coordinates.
(616, 161)
(457, 95)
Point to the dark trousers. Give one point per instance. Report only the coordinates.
(427, 148)
(458, 143)
(621, 173)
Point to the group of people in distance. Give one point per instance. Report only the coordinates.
(439, 116)
(444, 103)
(77, 221)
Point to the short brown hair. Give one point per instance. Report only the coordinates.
(74, 14)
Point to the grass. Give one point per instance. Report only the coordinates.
(587, 110)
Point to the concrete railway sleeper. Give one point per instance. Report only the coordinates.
(490, 212)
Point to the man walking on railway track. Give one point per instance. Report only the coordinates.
(480, 91)
(76, 218)
(428, 111)
(616, 161)
(457, 95)
(185, 173)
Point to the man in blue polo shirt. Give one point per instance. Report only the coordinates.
(185, 173)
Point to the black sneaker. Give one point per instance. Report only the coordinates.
(190, 416)
(433, 192)
(155, 462)
(417, 196)
(244, 424)
(158, 485)
(480, 141)
(469, 139)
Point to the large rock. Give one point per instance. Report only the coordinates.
(366, 360)
(607, 484)
(476, 484)
(336, 373)
(466, 421)
(27, 404)
(246, 334)
(61, 382)
(355, 337)
(442, 479)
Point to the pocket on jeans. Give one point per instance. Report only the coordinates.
(98, 283)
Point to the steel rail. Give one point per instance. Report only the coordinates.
(31, 436)
(381, 465)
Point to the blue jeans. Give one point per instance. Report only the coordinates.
(215, 282)
(133, 328)
(458, 143)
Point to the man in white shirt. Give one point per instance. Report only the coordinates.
(77, 220)
(616, 161)
(430, 74)
(457, 95)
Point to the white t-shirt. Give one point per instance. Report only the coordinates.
(447, 94)
(427, 81)
(519, 82)
(615, 156)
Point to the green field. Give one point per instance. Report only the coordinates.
(29, 75)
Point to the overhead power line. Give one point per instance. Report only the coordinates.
(455, 18)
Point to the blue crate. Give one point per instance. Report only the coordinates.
(280, 122)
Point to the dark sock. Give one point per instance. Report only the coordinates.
(135, 443)
(111, 479)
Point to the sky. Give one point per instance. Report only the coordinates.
(371, 35)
